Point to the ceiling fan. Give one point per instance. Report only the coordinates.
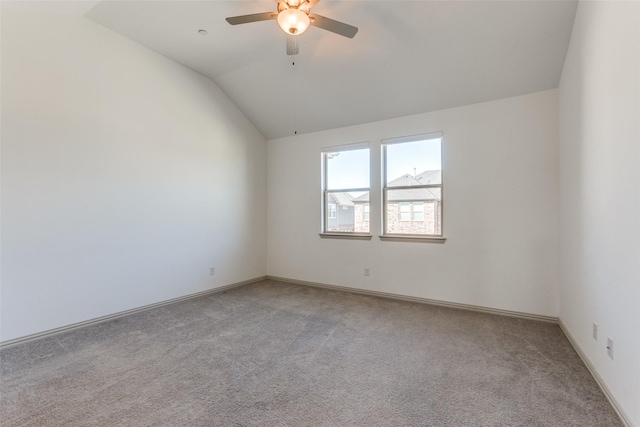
(294, 17)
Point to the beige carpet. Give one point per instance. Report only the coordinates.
(276, 354)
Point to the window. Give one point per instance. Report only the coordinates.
(411, 211)
(405, 211)
(412, 191)
(417, 211)
(345, 202)
(332, 210)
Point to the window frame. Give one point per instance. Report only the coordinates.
(439, 238)
(326, 192)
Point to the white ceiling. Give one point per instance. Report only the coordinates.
(408, 56)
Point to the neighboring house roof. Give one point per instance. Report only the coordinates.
(404, 181)
(361, 199)
(408, 180)
(430, 177)
(417, 194)
(342, 199)
(424, 178)
(403, 195)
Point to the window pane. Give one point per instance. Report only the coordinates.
(417, 213)
(404, 209)
(348, 169)
(414, 211)
(414, 163)
(332, 210)
(349, 212)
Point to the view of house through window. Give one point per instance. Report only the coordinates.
(413, 186)
(346, 190)
(411, 194)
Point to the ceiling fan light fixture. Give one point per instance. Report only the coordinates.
(293, 21)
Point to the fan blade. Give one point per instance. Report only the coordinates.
(292, 45)
(245, 19)
(333, 26)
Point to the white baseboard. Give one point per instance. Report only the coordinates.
(594, 373)
(86, 323)
(481, 309)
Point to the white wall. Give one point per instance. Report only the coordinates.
(125, 176)
(599, 104)
(500, 218)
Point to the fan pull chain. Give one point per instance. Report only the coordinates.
(295, 113)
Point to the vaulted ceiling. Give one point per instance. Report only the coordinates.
(408, 56)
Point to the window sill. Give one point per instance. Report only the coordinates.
(351, 236)
(420, 239)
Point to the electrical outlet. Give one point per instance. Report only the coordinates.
(367, 271)
(212, 271)
(595, 331)
(610, 347)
